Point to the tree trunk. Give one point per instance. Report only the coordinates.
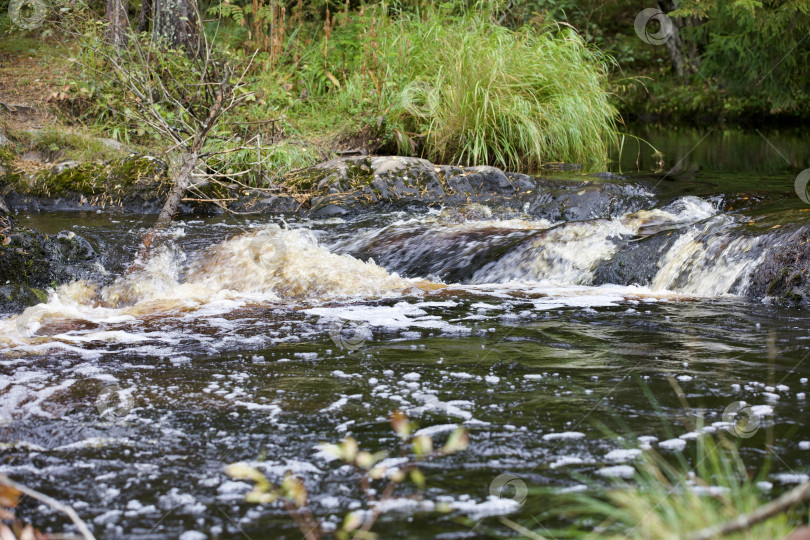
(117, 22)
(181, 184)
(176, 21)
(145, 16)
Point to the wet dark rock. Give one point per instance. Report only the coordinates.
(395, 181)
(30, 262)
(403, 182)
(608, 176)
(331, 210)
(488, 178)
(636, 263)
(521, 181)
(448, 253)
(566, 200)
(784, 275)
(340, 187)
(262, 203)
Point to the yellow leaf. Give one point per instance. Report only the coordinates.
(364, 460)
(294, 489)
(400, 423)
(333, 79)
(458, 440)
(418, 478)
(352, 521)
(422, 445)
(9, 496)
(243, 471)
(349, 448)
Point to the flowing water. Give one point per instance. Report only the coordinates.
(536, 327)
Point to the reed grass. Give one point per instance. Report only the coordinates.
(452, 85)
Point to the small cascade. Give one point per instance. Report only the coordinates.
(269, 265)
(499, 251)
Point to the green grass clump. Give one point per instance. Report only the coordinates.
(675, 499)
(452, 85)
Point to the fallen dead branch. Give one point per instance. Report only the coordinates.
(50, 501)
(797, 495)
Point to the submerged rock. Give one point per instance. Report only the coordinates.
(30, 262)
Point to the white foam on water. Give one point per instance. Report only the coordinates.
(676, 445)
(437, 429)
(546, 295)
(400, 316)
(565, 435)
(622, 455)
(565, 461)
(617, 471)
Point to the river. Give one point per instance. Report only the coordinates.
(257, 338)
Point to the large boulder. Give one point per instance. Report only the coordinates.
(31, 262)
(135, 183)
(347, 185)
(341, 185)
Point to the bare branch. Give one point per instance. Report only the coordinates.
(53, 503)
(797, 495)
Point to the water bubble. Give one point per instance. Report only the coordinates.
(644, 21)
(349, 335)
(27, 14)
(741, 420)
(113, 403)
(498, 486)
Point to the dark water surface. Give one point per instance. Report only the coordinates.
(531, 346)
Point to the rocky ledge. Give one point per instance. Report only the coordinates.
(347, 186)
(31, 262)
